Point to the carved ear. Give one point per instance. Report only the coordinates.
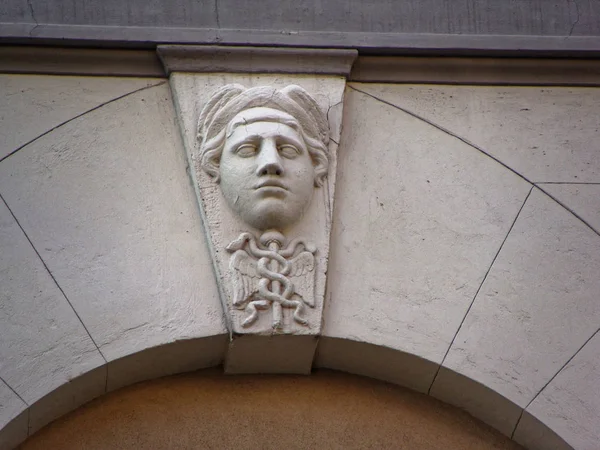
(219, 99)
(304, 99)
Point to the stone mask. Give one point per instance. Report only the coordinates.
(260, 154)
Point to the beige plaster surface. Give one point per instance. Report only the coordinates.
(544, 133)
(418, 219)
(34, 104)
(209, 410)
(108, 204)
(536, 308)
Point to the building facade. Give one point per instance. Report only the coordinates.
(449, 245)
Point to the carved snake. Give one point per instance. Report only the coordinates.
(268, 276)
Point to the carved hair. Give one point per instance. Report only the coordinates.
(301, 112)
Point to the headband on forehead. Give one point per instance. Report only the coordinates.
(230, 100)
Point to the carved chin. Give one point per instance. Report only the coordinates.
(272, 212)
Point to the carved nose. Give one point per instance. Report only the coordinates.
(269, 160)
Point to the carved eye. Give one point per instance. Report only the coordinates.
(288, 151)
(246, 150)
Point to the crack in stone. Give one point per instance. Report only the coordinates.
(578, 16)
(37, 24)
(217, 18)
(218, 37)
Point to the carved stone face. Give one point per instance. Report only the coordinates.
(267, 174)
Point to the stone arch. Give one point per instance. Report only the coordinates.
(184, 357)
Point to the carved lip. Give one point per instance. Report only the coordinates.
(270, 184)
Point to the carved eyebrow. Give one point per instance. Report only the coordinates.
(247, 138)
(280, 139)
(291, 141)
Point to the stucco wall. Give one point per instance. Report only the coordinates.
(464, 253)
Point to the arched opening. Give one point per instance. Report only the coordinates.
(207, 409)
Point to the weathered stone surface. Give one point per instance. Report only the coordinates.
(218, 58)
(570, 404)
(10, 407)
(271, 354)
(419, 216)
(176, 357)
(67, 397)
(33, 104)
(108, 204)
(477, 399)
(43, 344)
(537, 306)
(544, 133)
(532, 433)
(375, 361)
(582, 199)
(15, 432)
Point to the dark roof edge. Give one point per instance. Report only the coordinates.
(367, 43)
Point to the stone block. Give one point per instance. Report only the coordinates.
(108, 204)
(11, 406)
(477, 399)
(543, 133)
(168, 359)
(34, 104)
(582, 199)
(377, 362)
(67, 397)
(238, 222)
(569, 405)
(419, 217)
(537, 306)
(43, 345)
(15, 432)
(270, 354)
(531, 433)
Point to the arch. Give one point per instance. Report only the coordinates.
(344, 355)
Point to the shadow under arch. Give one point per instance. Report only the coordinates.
(343, 355)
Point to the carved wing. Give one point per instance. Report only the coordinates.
(243, 272)
(302, 274)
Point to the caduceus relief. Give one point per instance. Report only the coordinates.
(269, 274)
(268, 150)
